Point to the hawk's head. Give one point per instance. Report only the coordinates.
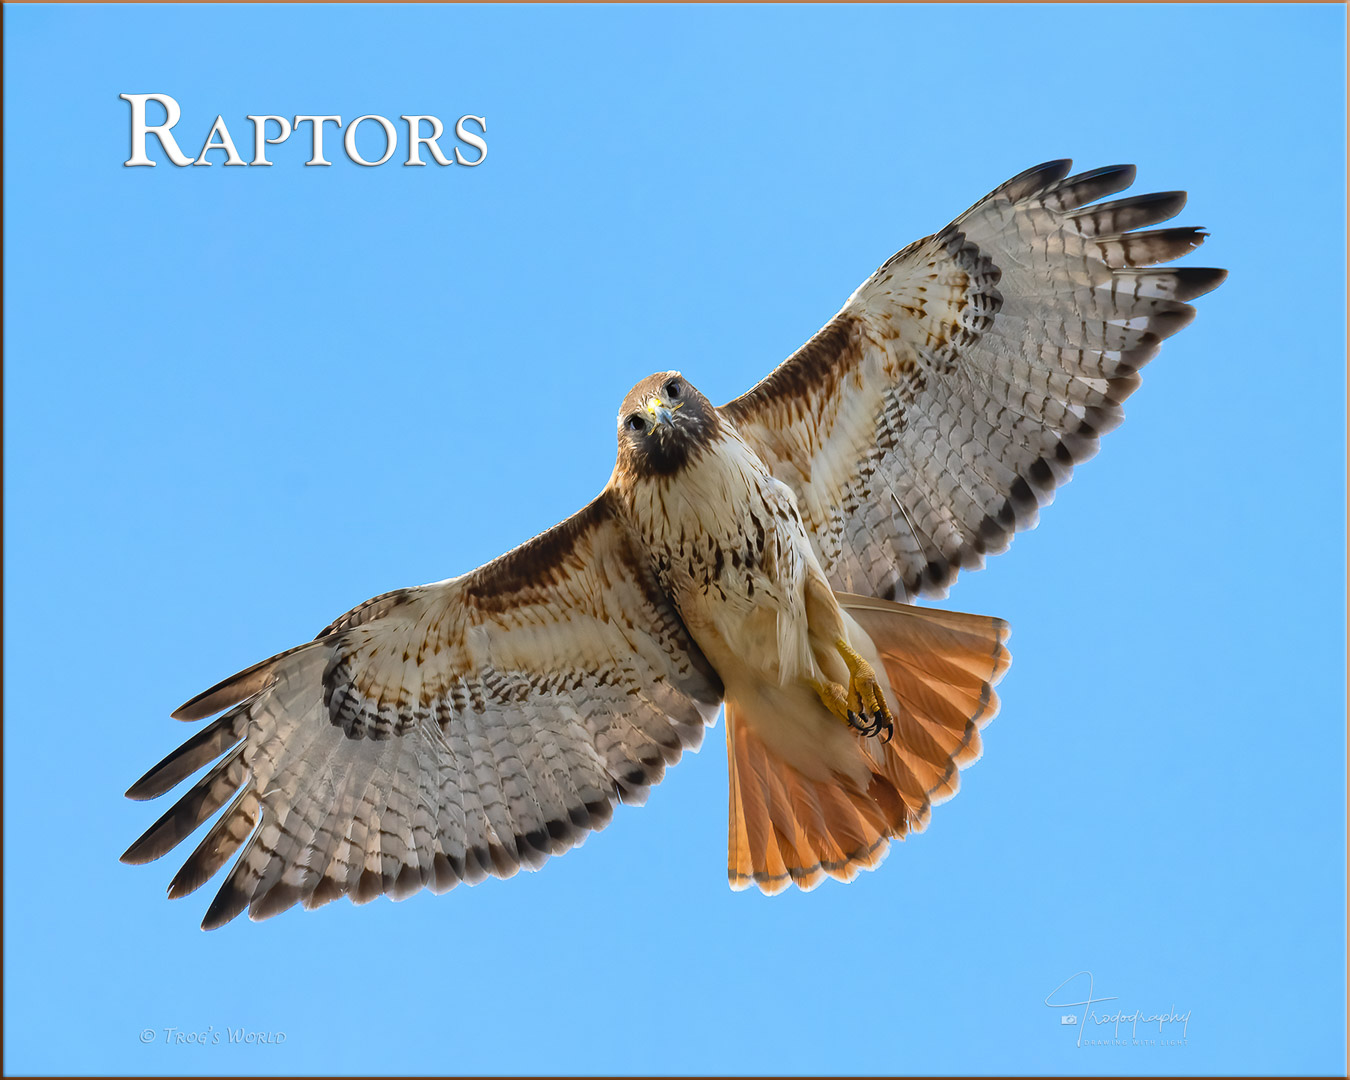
(664, 423)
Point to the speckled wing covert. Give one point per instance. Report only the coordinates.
(440, 734)
(959, 385)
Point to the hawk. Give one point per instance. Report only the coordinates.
(760, 556)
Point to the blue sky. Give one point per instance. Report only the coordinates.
(240, 400)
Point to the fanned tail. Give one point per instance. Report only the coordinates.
(786, 827)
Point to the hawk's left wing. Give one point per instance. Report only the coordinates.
(960, 384)
(440, 734)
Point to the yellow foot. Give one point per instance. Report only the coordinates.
(835, 698)
(865, 700)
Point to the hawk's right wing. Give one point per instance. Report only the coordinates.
(959, 385)
(442, 733)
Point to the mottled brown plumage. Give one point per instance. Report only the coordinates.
(749, 554)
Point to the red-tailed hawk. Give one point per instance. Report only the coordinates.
(754, 555)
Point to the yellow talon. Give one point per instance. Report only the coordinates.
(871, 716)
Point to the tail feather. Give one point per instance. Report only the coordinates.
(762, 856)
(901, 789)
(824, 847)
(740, 864)
(789, 834)
(942, 667)
(952, 722)
(786, 827)
(861, 832)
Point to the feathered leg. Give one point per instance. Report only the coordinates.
(861, 702)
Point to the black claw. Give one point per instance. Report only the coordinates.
(878, 724)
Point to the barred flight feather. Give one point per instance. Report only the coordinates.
(958, 387)
(514, 734)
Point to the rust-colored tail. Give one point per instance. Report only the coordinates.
(786, 827)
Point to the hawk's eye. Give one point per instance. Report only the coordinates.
(672, 390)
(635, 422)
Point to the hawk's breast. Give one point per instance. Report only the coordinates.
(729, 546)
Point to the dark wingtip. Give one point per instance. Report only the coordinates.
(208, 702)
(1044, 174)
(135, 855)
(1117, 177)
(227, 905)
(1197, 280)
(1166, 204)
(151, 785)
(1124, 169)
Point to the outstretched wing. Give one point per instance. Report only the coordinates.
(957, 388)
(440, 734)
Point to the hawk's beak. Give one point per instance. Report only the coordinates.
(657, 410)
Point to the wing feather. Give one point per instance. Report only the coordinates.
(441, 734)
(938, 412)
